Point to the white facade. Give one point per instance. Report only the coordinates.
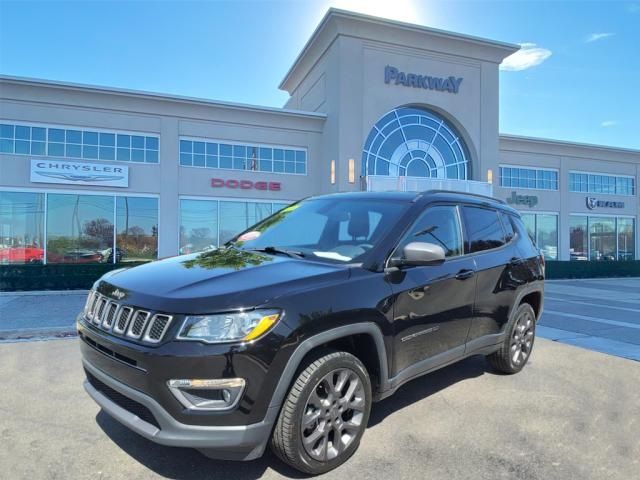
(442, 89)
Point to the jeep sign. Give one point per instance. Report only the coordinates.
(528, 200)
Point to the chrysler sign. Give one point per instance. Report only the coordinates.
(449, 84)
(593, 203)
(75, 173)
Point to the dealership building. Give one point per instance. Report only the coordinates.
(95, 174)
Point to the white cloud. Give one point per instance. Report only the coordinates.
(608, 123)
(594, 37)
(528, 56)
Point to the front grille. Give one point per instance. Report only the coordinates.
(122, 401)
(124, 320)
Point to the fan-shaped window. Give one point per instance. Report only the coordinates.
(414, 142)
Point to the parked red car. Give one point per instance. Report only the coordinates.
(22, 254)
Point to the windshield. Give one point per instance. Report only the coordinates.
(337, 230)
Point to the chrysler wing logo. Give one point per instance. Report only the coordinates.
(118, 294)
(81, 178)
(592, 202)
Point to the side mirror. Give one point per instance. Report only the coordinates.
(420, 254)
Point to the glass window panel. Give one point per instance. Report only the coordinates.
(239, 163)
(529, 221)
(302, 168)
(289, 167)
(124, 140)
(79, 228)
(123, 154)
(22, 132)
(89, 151)
(289, 155)
(278, 167)
(108, 139)
(38, 148)
(56, 149)
(39, 134)
(90, 138)
(266, 165)
(151, 156)
(626, 239)
(56, 135)
(73, 150)
(278, 154)
(547, 235)
(22, 146)
(107, 153)
(137, 141)
(226, 150)
(484, 230)
(21, 227)
(444, 227)
(212, 148)
(226, 162)
(186, 159)
(137, 155)
(241, 151)
(74, 136)
(198, 160)
(151, 143)
(6, 145)
(136, 230)
(578, 238)
(198, 147)
(266, 153)
(6, 131)
(212, 161)
(186, 146)
(301, 156)
(198, 225)
(234, 217)
(602, 238)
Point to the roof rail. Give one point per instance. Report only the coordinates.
(477, 195)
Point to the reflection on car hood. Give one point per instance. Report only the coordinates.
(217, 280)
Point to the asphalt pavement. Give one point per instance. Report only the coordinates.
(571, 413)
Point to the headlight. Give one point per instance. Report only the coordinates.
(229, 327)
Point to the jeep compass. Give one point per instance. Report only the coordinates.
(287, 334)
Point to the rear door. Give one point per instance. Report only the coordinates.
(496, 261)
(433, 305)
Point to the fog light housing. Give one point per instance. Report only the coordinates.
(217, 394)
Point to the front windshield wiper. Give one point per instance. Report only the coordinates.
(275, 250)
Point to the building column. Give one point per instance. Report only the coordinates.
(169, 222)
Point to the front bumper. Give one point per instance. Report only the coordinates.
(235, 442)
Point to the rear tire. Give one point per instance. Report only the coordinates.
(518, 344)
(324, 415)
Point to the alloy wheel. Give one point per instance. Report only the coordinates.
(333, 415)
(522, 338)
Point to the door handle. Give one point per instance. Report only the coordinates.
(464, 274)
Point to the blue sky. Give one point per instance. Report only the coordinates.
(577, 79)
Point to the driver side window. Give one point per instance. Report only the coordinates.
(439, 225)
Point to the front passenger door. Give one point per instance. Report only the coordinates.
(433, 305)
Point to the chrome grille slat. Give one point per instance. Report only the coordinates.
(123, 320)
(109, 316)
(112, 316)
(157, 328)
(137, 324)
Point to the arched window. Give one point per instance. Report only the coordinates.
(414, 142)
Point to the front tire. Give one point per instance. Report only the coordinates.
(324, 415)
(518, 344)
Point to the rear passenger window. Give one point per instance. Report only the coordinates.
(508, 226)
(484, 230)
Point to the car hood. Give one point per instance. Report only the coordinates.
(215, 280)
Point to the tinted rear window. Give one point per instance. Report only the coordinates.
(483, 228)
(508, 226)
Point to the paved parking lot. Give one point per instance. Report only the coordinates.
(571, 413)
(598, 314)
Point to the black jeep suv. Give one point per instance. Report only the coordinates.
(289, 332)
